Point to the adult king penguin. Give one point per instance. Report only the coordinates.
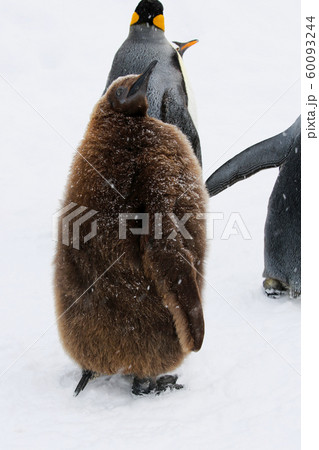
(132, 304)
(168, 92)
(282, 253)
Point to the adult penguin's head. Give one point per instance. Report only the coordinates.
(149, 12)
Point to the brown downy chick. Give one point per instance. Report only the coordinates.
(133, 305)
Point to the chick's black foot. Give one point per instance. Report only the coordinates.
(167, 382)
(87, 375)
(143, 386)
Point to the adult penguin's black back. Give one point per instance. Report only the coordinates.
(167, 94)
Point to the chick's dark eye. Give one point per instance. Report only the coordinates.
(119, 92)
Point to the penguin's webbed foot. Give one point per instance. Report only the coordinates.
(274, 288)
(87, 375)
(144, 386)
(167, 382)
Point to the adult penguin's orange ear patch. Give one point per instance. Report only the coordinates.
(158, 21)
(135, 18)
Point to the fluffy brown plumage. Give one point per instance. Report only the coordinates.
(144, 315)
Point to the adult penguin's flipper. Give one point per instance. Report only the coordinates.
(175, 113)
(266, 154)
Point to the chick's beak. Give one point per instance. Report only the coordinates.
(141, 83)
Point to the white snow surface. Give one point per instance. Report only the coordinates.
(242, 389)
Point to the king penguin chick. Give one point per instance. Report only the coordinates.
(133, 305)
(169, 94)
(282, 253)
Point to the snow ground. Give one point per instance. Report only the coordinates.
(242, 389)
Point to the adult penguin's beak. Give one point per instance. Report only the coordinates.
(183, 46)
(141, 83)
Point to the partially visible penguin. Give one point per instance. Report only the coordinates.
(133, 305)
(283, 224)
(169, 94)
